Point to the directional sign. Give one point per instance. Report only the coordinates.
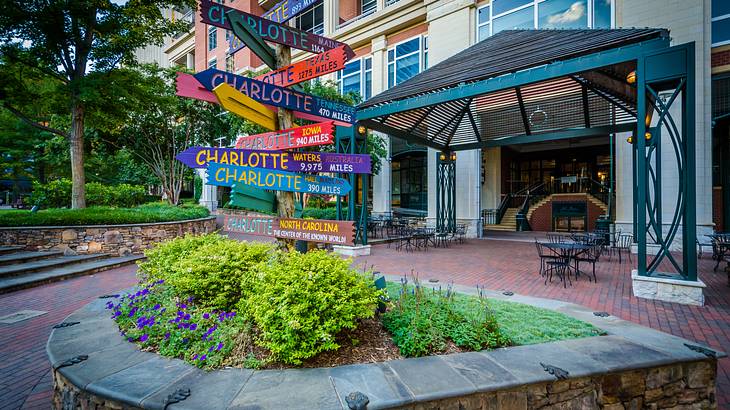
(200, 157)
(312, 230)
(284, 10)
(248, 36)
(281, 97)
(313, 67)
(244, 106)
(299, 137)
(229, 175)
(217, 15)
(188, 86)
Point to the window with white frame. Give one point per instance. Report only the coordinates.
(407, 59)
(368, 6)
(720, 22)
(212, 37)
(357, 76)
(230, 63)
(213, 63)
(312, 20)
(501, 15)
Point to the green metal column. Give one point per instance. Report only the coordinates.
(445, 192)
(641, 167)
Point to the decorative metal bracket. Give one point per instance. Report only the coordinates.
(701, 349)
(601, 314)
(559, 373)
(176, 397)
(357, 401)
(508, 293)
(108, 296)
(65, 324)
(72, 361)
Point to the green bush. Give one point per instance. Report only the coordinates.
(302, 301)
(198, 188)
(216, 271)
(57, 194)
(102, 215)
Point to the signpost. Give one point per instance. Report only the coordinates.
(314, 230)
(229, 175)
(200, 157)
(299, 137)
(281, 97)
(313, 67)
(221, 16)
(244, 106)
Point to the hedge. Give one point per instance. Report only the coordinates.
(57, 194)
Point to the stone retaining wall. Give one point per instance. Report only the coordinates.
(114, 239)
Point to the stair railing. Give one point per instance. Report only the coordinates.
(532, 196)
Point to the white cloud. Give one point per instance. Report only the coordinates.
(576, 11)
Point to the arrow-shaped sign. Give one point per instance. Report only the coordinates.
(217, 15)
(229, 175)
(248, 36)
(281, 97)
(188, 86)
(200, 157)
(313, 67)
(298, 137)
(244, 106)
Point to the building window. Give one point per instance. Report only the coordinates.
(368, 6)
(409, 187)
(720, 22)
(212, 37)
(312, 20)
(213, 63)
(230, 63)
(407, 59)
(357, 77)
(530, 14)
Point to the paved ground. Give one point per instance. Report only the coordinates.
(25, 380)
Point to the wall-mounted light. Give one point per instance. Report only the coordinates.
(630, 139)
(361, 129)
(631, 77)
(442, 156)
(647, 136)
(453, 156)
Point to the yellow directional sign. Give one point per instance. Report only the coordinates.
(245, 107)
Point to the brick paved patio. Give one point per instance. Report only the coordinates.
(25, 377)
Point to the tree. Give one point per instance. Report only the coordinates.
(78, 44)
(162, 125)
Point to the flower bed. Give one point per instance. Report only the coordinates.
(214, 302)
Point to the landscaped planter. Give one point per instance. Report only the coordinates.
(94, 367)
(115, 239)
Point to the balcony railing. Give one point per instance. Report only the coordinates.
(189, 18)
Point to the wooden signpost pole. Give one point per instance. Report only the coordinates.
(285, 200)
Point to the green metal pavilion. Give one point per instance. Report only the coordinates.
(580, 83)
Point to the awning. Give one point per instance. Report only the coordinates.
(519, 86)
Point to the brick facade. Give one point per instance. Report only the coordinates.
(721, 58)
(542, 217)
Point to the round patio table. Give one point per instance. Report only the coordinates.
(568, 251)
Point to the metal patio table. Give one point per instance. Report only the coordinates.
(568, 250)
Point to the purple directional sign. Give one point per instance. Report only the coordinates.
(200, 157)
(274, 180)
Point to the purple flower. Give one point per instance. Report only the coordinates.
(155, 307)
(187, 316)
(109, 305)
(167, 335)
(220, 346)
(190, 299)
(182, 306)
(163, 310)
(185, 340)
(145, 291)
(193, 326)
(144, 337)
(210, 349)
(206, 316)
(195, 356)
(161, 281)
(203, 357)
(130, 339)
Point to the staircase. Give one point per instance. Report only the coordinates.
(20, 269)
(508, 222)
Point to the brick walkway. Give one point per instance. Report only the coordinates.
(513, 266)
(25, 380)
(25, 376)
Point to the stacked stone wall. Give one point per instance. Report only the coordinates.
(113, 239)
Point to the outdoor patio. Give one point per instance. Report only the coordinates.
(509, 262)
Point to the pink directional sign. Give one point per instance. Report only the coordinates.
(200, 157)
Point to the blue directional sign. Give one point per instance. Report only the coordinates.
(276, 96)
(229, 175)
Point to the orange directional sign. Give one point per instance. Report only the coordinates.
(313, 67)
(244, 106)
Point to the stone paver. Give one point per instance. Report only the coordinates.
(513, 266)
(25, 377)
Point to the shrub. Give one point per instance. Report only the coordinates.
(197, 187)
(101, 215)
(301, 302)
(215, 270)
(57, 194)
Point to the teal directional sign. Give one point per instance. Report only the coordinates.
(230, 175)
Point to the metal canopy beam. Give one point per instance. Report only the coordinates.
(529, 76)
(395, 132)
(586, 109)
(523, 111)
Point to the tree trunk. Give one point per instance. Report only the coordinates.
(76, 141)
(285, 200)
